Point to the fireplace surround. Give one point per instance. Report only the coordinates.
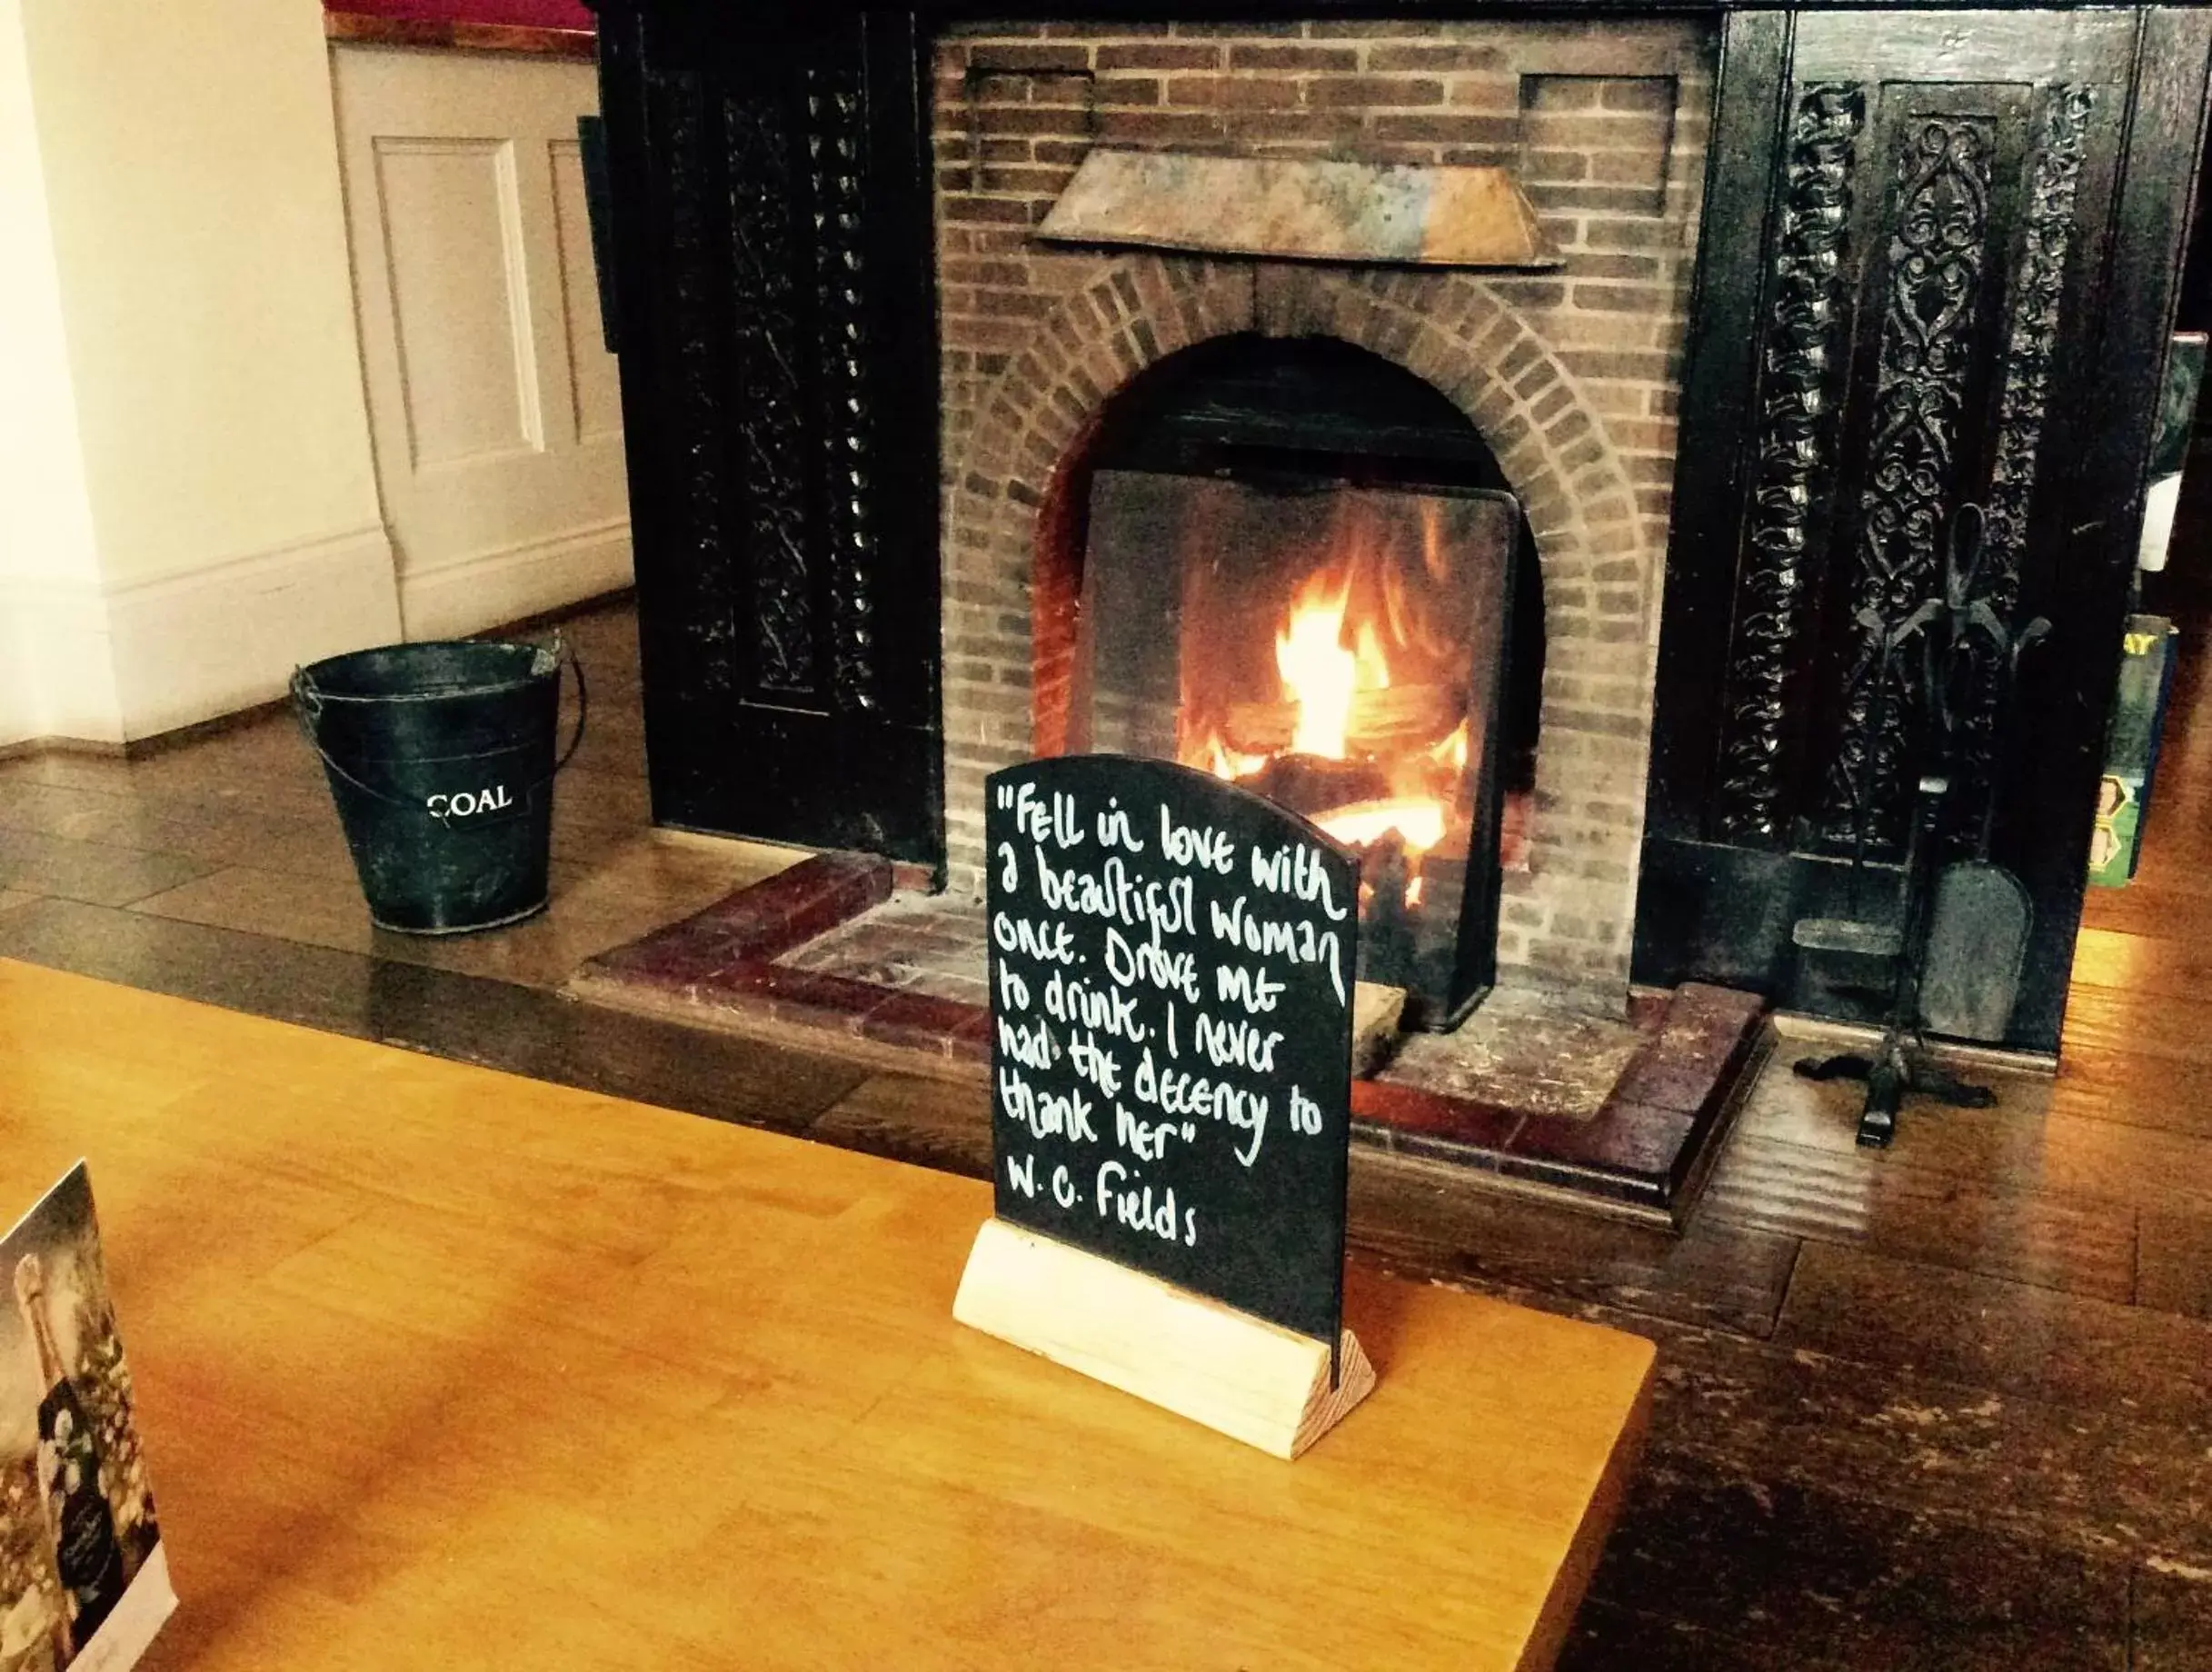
(1570, 374)
(1825, 274)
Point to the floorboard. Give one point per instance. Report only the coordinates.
(2041, 1239)
(1792, 1574)
(1405, 1216)
(469, 1018)
(2172, 1621)
(2010, 1338)
(2174, 1260)
(2114, 1086)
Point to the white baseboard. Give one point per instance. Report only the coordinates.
(21, 712)
(133, 661)
(62, 682)
(19, 718)
(453, 600)
(190, 647)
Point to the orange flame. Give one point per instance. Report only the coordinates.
(1226, 763)
(1419, 821)
(1454, 750)
(1326, 665)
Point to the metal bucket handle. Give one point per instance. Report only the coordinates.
(307, 709)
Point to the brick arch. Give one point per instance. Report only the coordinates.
(1135, 310)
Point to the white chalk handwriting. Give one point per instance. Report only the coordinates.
(1155, 988)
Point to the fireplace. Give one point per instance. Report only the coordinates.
(882, 359)
(1444, 486)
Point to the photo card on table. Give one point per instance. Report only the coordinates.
(84, 1581)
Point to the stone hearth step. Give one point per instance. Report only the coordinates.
(1534, 1094)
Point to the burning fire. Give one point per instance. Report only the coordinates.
(1453, 751)
(1418, 820)
(1320, 674)
(1225, 763)
(1331, 673)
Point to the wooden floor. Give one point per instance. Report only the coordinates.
(237, 832)
(1948, 1407)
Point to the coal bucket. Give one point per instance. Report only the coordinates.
(440, 756)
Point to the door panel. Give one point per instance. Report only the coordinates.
(1919, 419)
(499, 451)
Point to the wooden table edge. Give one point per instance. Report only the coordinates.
(1570, 1585)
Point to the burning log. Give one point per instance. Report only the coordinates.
(1414, 822)
(1314, 785)
(1401, 718)
(1397, 719)
(1260, 728)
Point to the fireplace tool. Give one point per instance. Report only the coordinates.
(1978, 941)
(1970, 922)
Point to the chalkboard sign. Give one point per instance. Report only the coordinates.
(1171, 970)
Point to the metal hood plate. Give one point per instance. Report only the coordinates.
(1301, 209)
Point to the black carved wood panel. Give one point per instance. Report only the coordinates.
(1795, 453)
(1941, 162)
(1923, 271)
(771, 238)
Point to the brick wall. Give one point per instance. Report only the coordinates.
(1571, 377)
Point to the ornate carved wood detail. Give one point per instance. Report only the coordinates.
(835, 152)
(1936, 257)
(2031, 335)
(764, 307)
(698, 418)
(1796, 442)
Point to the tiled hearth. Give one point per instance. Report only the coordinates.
(1622, 1111)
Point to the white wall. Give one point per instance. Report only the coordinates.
(207, 514)
(52, 679)
(193, 498)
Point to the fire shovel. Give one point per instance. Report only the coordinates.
(1977, 932)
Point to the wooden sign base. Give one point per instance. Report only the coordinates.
(1251, 1379)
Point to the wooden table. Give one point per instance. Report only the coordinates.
(441, 1366)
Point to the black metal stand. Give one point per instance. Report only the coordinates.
(1901, 1069)
(1954, 630)
(1900, 1063)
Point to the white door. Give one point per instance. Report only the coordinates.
(491, 397)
